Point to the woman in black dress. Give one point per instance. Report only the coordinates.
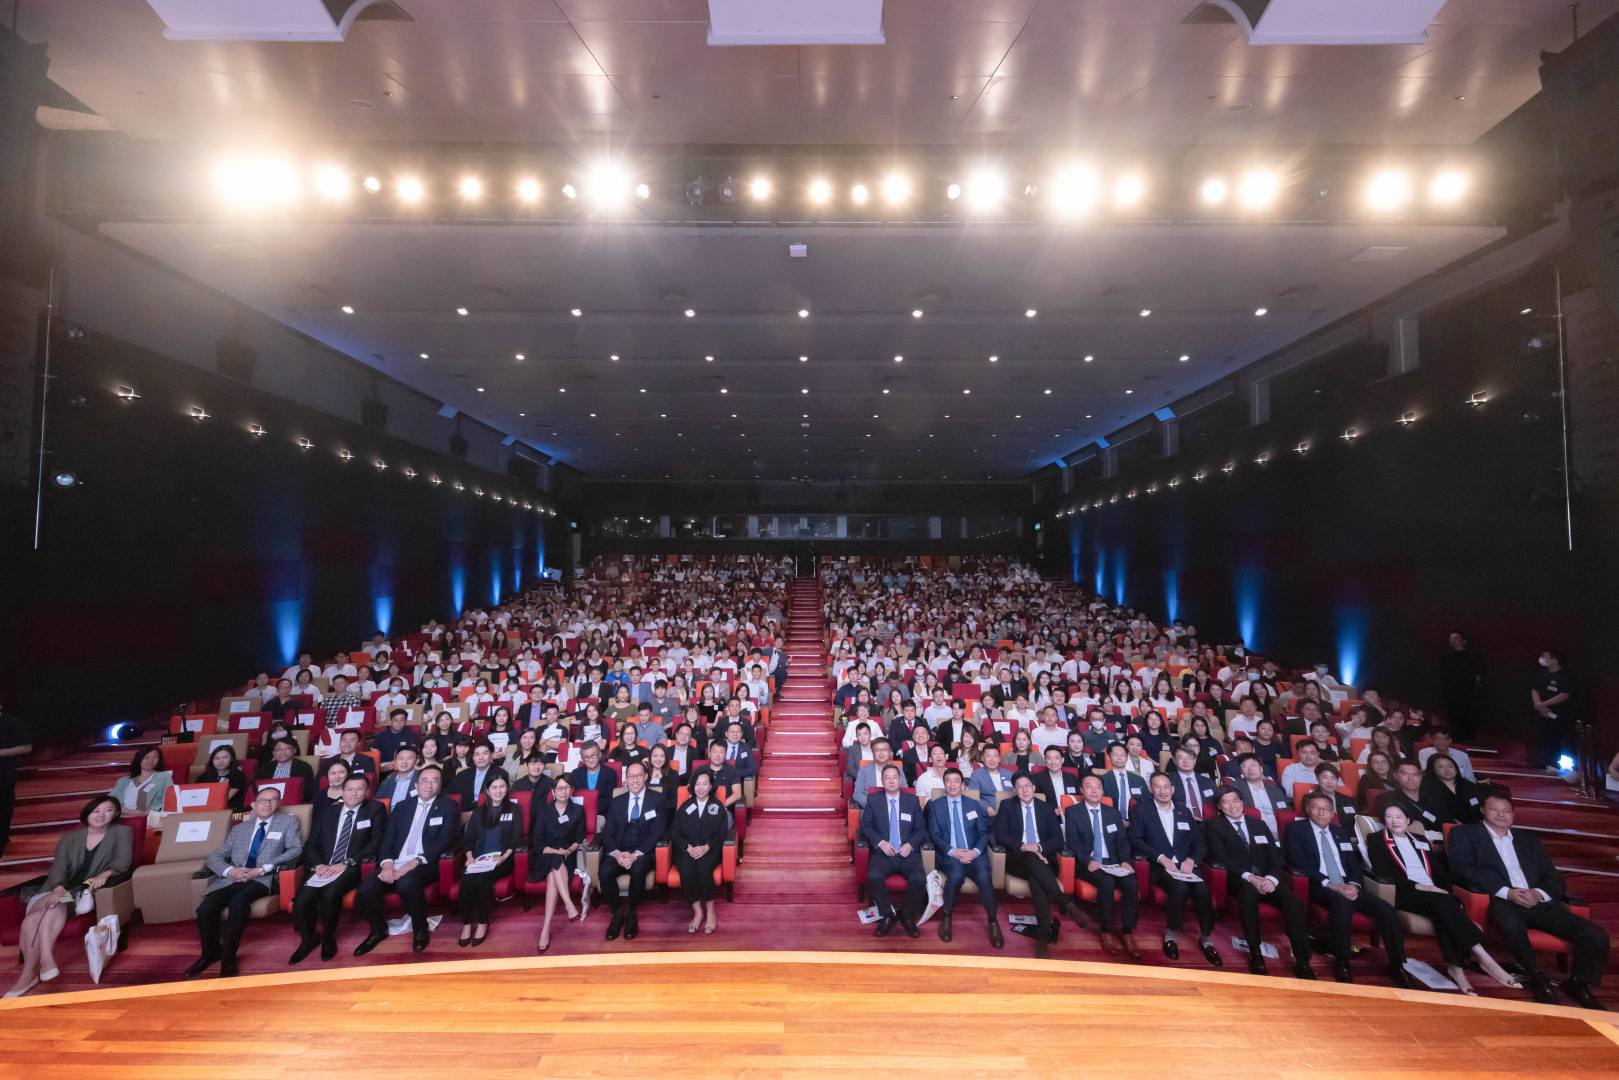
(699, 834)
(1422, 887)
(493, 829)
(222, 769)
(1449, 795)
(557, 832)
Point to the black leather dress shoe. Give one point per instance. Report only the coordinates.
(305, 947)
(632, 928)
(945, 931)
(1212, 955)
(1340, 971)
(1302, 970)
(1172, 949)
(1256, 965)
(884, 925)
(615, 926)
(372, 940)
(229, 968)
(328, 948)
(1398, 977)
(1543, 992)
(996, 939)
(1581, 994)
(418, 940)
(203, 964)
(910, 927)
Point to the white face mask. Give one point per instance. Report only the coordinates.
(1321, 669)
(1545, 662)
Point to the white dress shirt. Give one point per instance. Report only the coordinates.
(412, 848)
(1261, 800)
(1167, 819)
(1241, 825)
(1509, 858)
(1414, 867)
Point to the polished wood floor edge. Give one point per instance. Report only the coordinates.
(1600, 1021)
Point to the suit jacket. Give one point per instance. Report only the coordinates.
(462, 783)
(1079, 838)
(974, 824)
(745, 762)
(1206, 788)
(1478, 865)
(1227, 847)
(362, 762)
(852, 761)
(1299, 848)
(915, 762)
(1121, 802)
(1385, 859)
(529, 715)
(1278, 798)
(1043, 785)
(387, 788)
(981, 782)
(867, 778)
(279, 849)
(1148, 841)
(606, 779)
(439, 830)
(691, 829)
(1008, 831)
(548, 830)
(506, 834)
(622, 834)
(364, 842)
(874, 821)
(300, 770)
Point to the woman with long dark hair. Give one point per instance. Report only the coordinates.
(492, 835)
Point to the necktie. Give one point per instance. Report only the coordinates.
(1098, 845)
(1193, 803)
(893, 823)
(730, 752)
(1329, 858)
(340, 850)
(1031, 835)
(960, 833)
(635, 808)
(253, 848)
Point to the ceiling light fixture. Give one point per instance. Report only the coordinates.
(1128, 191)
(859, 194)
(759, 189)
(1145, 312)
(896, 188)
(471, 187)
(985, 188)
(819, 191)
(331, 182)
(460, 311)
(348, 310)
(1257, 190)
(411, 190)
(803, 313)
(1213, 191)
(1030, 313)
(520, 356)
(1075, 191)
(528, 190)
(1448, 187)
(371, 184)
(1388, 191)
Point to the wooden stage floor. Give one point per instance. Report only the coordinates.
(788, 1015)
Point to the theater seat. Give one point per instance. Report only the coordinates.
(165, 891)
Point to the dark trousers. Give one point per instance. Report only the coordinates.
(1589, 940)
(8, 805)
(697, 875)
(1284, 900)
(955, 872)
(411, 889)
(1175, 894)
(1550, 739)
(1129, 894)
(233, 903)
(611, 873)
(1043, 884)
(478, 894)
(324, 904)
(878, 869)
(1456, 933)
(1341, 916)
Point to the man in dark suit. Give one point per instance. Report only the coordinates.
(891, 825)
(284, 764)
(859, 752)
(1325, 853)
(401, 782)
(737, 752)
(1527, 893)
(1167, 837)
(915, 759)
(1120, 784)
(721, 773)
(1031, 833)
(1053, 782)
(636, 824)
(1095, 835)
(468, 784)
(1193, 790)
(902, 728)
(1259, 793)
(591, 774)
(960, 835)
(531, 713)
(419, 833)
(1249, 852)
(342, 837)
(348, 752)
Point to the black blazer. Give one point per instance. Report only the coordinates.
(606, 781)
(505, 834)
(549, 831)
(1226, 846)
(1079, 839)
(370, 821)
(1387, 866)
(1008, 832)
(915, 762)
(300, 771)
(235, 780)
(1478, 866)
(1149, 842)
(1465, 805)
(622, 834)
(694, 829)
(1298, 846)
(1207, 789)
(1415, 810)
(439, 832)
(746, 763)
(361, 763)
(1044, 786)
(462, 784)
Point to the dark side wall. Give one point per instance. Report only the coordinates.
(1365, 552)
(192, 554)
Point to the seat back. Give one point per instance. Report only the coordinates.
(292, 789)
(194, 798)
(207, 744)
(193, 837)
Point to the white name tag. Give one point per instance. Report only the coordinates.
(1183, 826)
(562, 819)
(362, 824)
(435, 821)
(251, 723)
(191, 798)
(905, 817)
(1344, 847)
(1112, 828)
(1473, 801)
(1420, 845)
(505, 817)
(239, 706)
(191, 831)
(692, 809)
(650, 814)
(1261, 839)
(1281, 804)
(353, 718)
(272, 836)
(972, 815)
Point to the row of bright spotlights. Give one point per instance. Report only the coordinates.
(265, 182)
(1349, 435)
(129, 395)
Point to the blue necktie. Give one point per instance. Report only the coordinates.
(893, 823)
(955, 822)
(1031, 835)
(253, 848)
(1098, 846)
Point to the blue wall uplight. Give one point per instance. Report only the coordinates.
(494, 576)
(1120, 562)
(1172, 594)
(289, 625)
(1248, 583)
(1351, 630)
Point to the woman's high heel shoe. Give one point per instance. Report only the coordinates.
(24, 990)
(541, 947)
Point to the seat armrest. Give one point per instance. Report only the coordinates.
(1066, 865)
(116, 900)
(287, 883)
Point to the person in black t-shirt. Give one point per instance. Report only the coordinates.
(1556, 698)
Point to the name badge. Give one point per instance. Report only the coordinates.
(251, 723)
(1112, 828)
(505, 817)
(1183, 826)
(1473, 801)
(435, 821)
(905, 817)
(362, 824)
(972, 815)
(650, 814)
(692, 809)
(1281, 804)
(562, 819)
(1420, 845)
(1345, 847)
(1261, 839)
(272, 836)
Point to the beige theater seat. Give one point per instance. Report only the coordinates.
(164, 889)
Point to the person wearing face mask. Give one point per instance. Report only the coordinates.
(1097, 737)
(1558, 704)
(1322, 677)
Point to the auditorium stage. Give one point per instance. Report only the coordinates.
(788, 1015)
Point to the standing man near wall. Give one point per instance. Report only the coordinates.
(1461, 686)
(14, 743)
(1556, 697)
